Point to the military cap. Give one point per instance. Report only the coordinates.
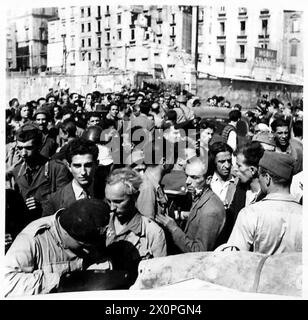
(27, 132)
(279, 164)
(86, 220)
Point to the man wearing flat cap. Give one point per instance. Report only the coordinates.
(35, 176)
(48, 145)
(274, 224)
(53, 246)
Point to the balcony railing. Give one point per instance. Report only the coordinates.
(221, 37)
(220, 59)
(242, 36)
(263, 36)
(241, 60)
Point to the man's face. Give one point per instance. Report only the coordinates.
(282, 135)
(195, 177)
(41, 120)
(120, 203)
(82, 168)
(136, 110)
(206, 135)
(25, 112)
(242, 169)
(65, 98)
(223, 162)
(88, 99)
(51, 100)
(28, 149)
(172, 102)
(139, 100)
(114, 110)
(93, 121)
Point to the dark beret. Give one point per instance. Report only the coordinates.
(86, 220)
(27, 132)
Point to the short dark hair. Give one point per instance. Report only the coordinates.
(69, 125)
(81, 146)
(275, 103)
(145, 107)
(279, 123)
(253, 152)
(12, 101)
(235, 115)
(298, 128)
(214, 149)
(204, 124)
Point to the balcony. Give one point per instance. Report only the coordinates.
(172, 36)
(263, 36)
(98, 32)
(132, 42)
(159, 21)
(159, 34)
(107, 44)
(132, 25)
(172, 24)
(98, 17)
(264, 12)
(221, 37)
(242, 13)
(220, 59)
(107, 28)
(241, 60)
(107, 14)
(221, 14)
(242, 37)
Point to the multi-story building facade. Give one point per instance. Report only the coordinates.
(28, 29)
(11, 61)
(153, 39)
(259, 44)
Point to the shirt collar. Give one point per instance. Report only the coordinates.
(78, 190)
(280, 197)
(216, 177)
(134, 225)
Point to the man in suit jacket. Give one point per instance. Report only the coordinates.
(207, 216)
(82, 162)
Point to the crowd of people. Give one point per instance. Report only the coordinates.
(105, 180)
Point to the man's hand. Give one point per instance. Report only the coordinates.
(165, 220)
(32, 203)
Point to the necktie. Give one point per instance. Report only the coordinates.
(29, 176)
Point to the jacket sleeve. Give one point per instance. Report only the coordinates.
(20, 276)
(208, 225)
(146, 201)
(49, 206)
(158, 242)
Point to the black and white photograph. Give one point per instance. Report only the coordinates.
(153, 151)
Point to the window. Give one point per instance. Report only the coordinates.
(9, 43)
(82, 27)
(222, 28)
(119, 19)
(89, 42)
(132, 34)
(132, 59)
(98, 11)
(82, 12)
(9, 55)
(89, 11)
(293, 49)
(201, 14)
(242, 51)
(222, 51)
(82, 43)
(99, 26)
(264, 26)
(119, 34)
(292, 68)
(89, 56)
(243, 27)
(89, 27)
(99, 56)
(108, 36)
(173, 17)
(264, 46)
(173, 30)
(295, 26)
(99, 42)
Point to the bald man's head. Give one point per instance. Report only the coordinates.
(196, 171)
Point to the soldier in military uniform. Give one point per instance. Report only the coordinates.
(35, 176)
(54, 246)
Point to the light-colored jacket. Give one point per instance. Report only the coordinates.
(37, 259)
(270, 226)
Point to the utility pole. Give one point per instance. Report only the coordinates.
(197, 37)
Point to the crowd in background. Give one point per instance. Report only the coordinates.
(110, 179)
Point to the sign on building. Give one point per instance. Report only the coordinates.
(265, 58)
